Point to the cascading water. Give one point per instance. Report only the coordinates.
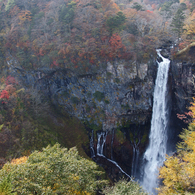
(92, 145)
(101, 138)
(155, 153)
(101, 142)
(135, 159)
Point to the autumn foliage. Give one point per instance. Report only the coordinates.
(178, 172)
(4, 95)
(81, 34)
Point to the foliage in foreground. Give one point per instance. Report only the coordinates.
(55, 170)
(58, 170)
(178, 172)
(125, 188)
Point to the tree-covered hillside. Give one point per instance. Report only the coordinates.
(84, 34)
(83, 39)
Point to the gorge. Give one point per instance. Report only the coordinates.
(121, 100)
(87, 73)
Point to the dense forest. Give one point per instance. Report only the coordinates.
(82, 37)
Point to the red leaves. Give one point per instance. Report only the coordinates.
(10, 80)
(151, 12)
(186, 117)
(4, 95)
(55, 63)
(115, 41)
(9, 89)
(117, 47)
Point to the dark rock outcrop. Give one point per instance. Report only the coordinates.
(118, 97)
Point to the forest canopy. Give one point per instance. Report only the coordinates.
(79, 34)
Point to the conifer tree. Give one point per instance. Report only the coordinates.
(178, 23)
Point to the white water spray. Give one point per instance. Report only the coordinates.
(100, 150)
(101, 142)
(155, 153)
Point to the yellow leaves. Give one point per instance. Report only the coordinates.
(178, 172)
(75, 192)
(190, 25)
(25, 38)
(1, 126)
(22, 89)
(20, 160)
(75, 177)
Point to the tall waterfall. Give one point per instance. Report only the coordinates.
(155, 153)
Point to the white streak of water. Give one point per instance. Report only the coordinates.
(100, 146)
(92, 145)
(101, 142)
(155, 153)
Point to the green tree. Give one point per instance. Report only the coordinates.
(55, 170)
(66, 14)
(116, 22)
(9, 5)
(178, 23)
(125, 188)
(137, 6)
(6, 186)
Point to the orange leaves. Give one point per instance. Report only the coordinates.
(151, 12)
(20, 160)
(188, 117)
(115, 41)
(116, 7)
(14, 11)
(117, 47)
(11, 90)
(24, 15)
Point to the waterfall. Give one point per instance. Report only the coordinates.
(92, 145)
(101, 142)
(155, 153)
(101, 138)
(135, 160)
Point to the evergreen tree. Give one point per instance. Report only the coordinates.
(178, 23)
(116, 22)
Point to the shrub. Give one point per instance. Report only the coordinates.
(125, 188)
(98, 95)
(55, 170)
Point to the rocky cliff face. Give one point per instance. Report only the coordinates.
(123, 90)
(117, 100)
(182, 84)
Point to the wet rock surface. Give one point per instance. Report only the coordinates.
(117, 99)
